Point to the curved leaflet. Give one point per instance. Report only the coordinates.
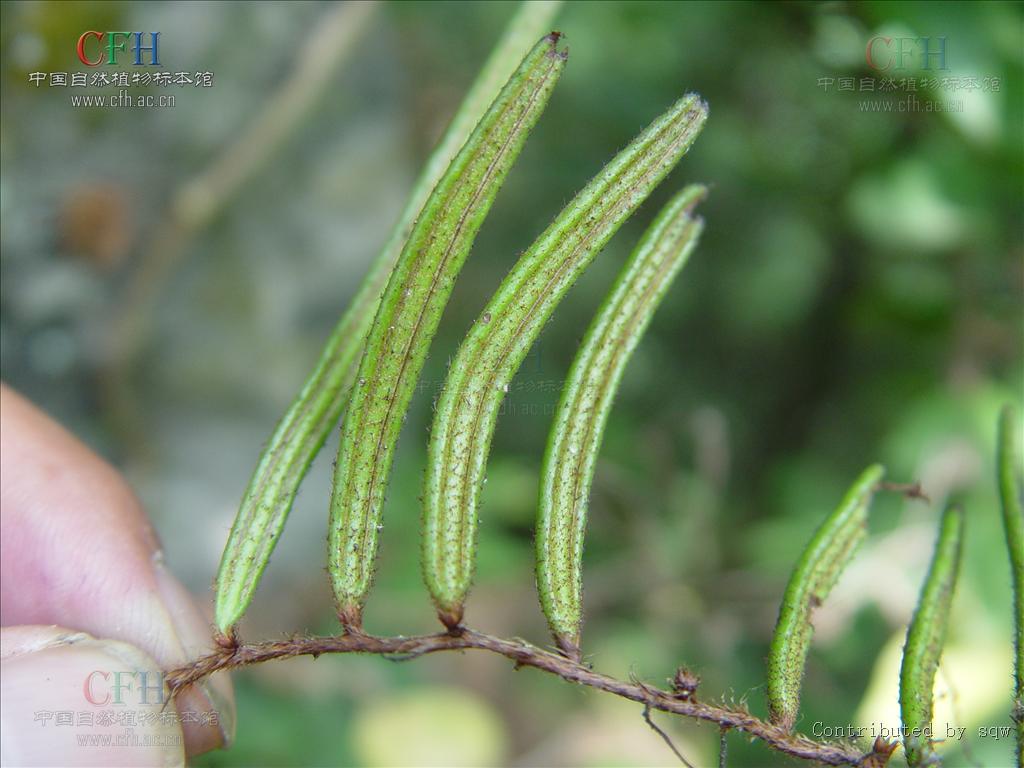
(586, 401)
(1010, 467)
(304, 427)
(500, 338)
(926, 637)
(828, 553)
(410, 310)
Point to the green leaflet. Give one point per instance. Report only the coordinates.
(926, 637)
(502, 335)
(1010, 466)
(304, 427)
(410, 310)
(586, 401)
(828, 553)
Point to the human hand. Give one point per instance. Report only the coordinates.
(90, 615)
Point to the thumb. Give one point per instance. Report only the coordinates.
(67, 698)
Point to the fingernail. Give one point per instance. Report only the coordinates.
(213, 694)
(82, 701)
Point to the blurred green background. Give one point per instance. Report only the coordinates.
(857, 296)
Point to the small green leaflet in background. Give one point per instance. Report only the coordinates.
(417, 292)
(926, 637)
(317, 408)
(828, 553)
(1010, 467)
(503, 334)
(575, 438)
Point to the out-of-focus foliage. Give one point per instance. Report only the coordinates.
(856, 297)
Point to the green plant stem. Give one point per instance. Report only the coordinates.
(1010, 466)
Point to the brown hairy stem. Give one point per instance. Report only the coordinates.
(228, 657)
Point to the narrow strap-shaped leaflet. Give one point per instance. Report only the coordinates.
(586, 401)
(1010, 467)
(502, 335)
(826, 556)
(926, 637)
(317, 408)
(407, 319)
